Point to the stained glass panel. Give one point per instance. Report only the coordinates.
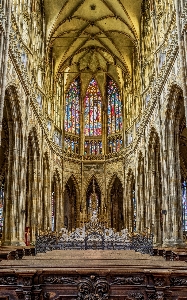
(114, 108)
(92, 110)
(184, 205)
(72, 120)
(92, 147)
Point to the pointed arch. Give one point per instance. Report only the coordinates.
(115, 196)
(111, 182)
(154, 195)
(174, 130)
(71, 199)
(73, 178)
(11, 155)
(33, 184)
(92, 187)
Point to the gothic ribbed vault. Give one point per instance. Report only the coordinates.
(93, 36)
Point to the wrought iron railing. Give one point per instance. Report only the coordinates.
(94, 236)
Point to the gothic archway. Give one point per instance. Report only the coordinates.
(173, 167)
(116, 205)
(33, 206)
(70, 205)
(180, 141)
(93, 187)
(11, 163)
(154, 201)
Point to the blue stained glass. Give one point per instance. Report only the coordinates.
(114, 108)
(184, 205)
(92, 110)
(72, 119)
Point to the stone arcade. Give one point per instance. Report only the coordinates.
(93, 110)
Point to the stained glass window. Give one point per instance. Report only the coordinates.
(115, 145)
(1, 208)
(114, 108)
(93, 147)
(184, 205)
(72, 119)
(71, 145)
(92, 110)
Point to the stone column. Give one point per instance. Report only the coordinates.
(130, 205)
(126, 202)
(57, 225)
(34, 196)
(45, 196)
(177, 199)
(140, 200)
(158, 199)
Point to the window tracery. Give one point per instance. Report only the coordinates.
(114, 108)
(114, 117)
(93, 123)
(92, 110)
(184, 205)
(72, 120)
(93, 147)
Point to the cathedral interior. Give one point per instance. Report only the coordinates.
(93, 108)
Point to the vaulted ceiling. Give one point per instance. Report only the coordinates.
(93, 36)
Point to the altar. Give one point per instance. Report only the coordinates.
(94, 234)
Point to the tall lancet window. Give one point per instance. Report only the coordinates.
(72, 117)
(184, 205)
(114, 116)
(93, 119)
